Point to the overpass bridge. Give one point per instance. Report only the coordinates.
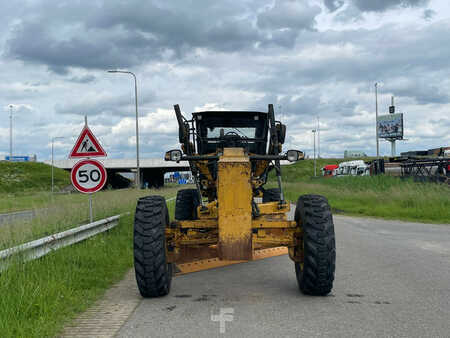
(152, 170)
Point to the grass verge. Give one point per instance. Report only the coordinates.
(379, 196)
(20, 177)
(39, 297)
(72, 210)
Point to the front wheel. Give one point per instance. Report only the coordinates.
(315, 275)
(153, 272)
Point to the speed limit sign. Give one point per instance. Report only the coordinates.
(88, 176)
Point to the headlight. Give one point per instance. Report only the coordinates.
(173, 155)
(294, 155)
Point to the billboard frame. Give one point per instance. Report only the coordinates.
(390, 119)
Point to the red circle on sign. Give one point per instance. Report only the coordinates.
(81, 188)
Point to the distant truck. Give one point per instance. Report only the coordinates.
(353, 168)
(329, 170)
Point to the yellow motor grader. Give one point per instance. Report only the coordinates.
(230, 215)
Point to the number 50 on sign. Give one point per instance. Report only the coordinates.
(88, 176)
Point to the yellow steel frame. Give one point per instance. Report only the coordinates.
(225, 228)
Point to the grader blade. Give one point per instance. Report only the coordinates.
(212, 263)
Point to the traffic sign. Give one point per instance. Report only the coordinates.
(87, 145)
(88, 176)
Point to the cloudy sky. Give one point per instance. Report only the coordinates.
(310, 58)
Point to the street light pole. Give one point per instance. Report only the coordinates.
(314, 137)
(138, 174)
(10, 132)
(318, 137)
(376, 118)
(53, 181)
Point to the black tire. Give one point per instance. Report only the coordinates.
(271, 195)
(153, 273)
(186, 204)
(316, 275)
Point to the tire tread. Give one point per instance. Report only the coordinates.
(314, 214)
(153, 273)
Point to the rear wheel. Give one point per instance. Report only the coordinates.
(186, 204)
(271, 195)
(315, 275)
(153, 272)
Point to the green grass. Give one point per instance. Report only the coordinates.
(38, 298)
(27, 185)
(26, 177)
(378, 196)
(72, 210)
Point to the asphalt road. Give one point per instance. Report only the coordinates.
(392, 279)
(17, 216)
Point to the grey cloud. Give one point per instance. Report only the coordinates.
(421, 90)
(33, 42)
(382, 5)
(442, 123)
(428, 14)
(233, 35)
(350, 14)
(82, 79)
(333, 5)
(106, 105)
(197, 52)
(376, 55)
(291, 14)
(306, 107)
(109, 34)
(22, 110)
(284, 38)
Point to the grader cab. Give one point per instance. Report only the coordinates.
(229, 216)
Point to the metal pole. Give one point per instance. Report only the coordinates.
(314, 137)
(91, 219)
(376, 118)
(53, 140)
(138, 175)
(318, 137)
(393, 151)
(10, 132)
(138, 171)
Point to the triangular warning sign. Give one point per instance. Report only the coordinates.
(87, 145)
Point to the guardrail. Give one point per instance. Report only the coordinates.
(43, 246)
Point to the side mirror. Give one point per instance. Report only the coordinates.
(183, 133)
(295, 155)
(173, 155)
(281, 131)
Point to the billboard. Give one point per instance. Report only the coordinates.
(390, 126)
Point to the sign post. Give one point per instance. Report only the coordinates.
(88, 175)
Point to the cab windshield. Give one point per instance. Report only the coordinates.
(214, 132)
